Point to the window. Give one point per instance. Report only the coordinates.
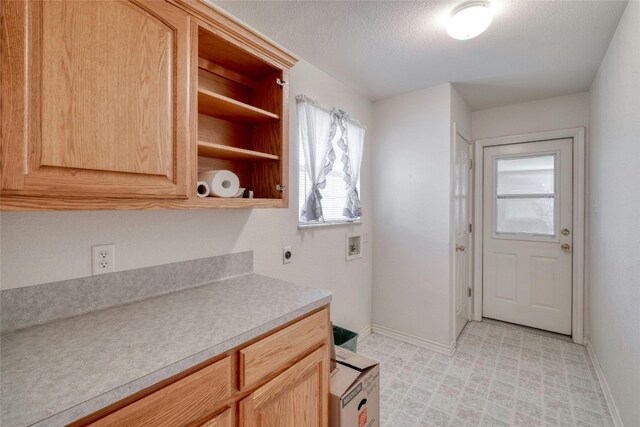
(526, 195)
(334, 171)
(334, 195)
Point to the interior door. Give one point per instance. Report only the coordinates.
(462, 218)
(100, 93)
(527, 234)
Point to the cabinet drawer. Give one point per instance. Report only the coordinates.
(277, 351)
(186, 400)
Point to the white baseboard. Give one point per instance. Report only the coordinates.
(613, 409)
(364, 332)
(412, 339)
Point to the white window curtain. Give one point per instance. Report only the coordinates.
(318, 129)
(352, 144)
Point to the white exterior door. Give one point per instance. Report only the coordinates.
(462, 218)
(527, 229)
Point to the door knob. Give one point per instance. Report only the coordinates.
(565, 246)
(459, 248)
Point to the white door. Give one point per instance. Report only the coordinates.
(462, 218)
(527, 232)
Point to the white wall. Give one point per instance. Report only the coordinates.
(41, 247)
(411, 289)
(460, 114)
(615, 232)
(561, 112)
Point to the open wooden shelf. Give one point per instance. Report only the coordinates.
(222, 107)
(219, 70)
(242, 120)
(28, 203)
(219, 151)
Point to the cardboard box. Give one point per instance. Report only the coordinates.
(355, 391)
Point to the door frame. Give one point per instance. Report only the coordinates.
(577, 135)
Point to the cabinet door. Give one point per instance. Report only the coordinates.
(96, 97)
(224, 419)
(297, 397)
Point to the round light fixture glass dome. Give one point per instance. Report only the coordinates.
(469, 19)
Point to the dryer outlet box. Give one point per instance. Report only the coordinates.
(354, 246)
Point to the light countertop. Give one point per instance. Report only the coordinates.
(55, 373)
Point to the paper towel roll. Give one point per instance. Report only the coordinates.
(202, 189)
(222, 183)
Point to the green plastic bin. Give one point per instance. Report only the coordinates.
(345, 338)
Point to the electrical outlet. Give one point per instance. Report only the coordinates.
(103, 259)
(287, 255)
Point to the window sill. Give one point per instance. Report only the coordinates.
(305, 225)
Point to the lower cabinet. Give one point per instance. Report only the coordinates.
(187, 399)
(280, 379)
(294, 398)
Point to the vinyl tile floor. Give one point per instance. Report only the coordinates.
(500, 375)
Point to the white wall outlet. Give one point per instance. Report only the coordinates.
(103, 259)
(287, 255)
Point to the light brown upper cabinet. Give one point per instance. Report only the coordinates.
(95, 99)
(118, 104)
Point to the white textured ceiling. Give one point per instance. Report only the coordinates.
(533, 49)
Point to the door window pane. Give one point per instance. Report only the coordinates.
(525, 195)
(526, 175)
(526, 216)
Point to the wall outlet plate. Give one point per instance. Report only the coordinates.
(287, 255)
(103, 259)
(354, 246)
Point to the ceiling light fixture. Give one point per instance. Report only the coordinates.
(469, 19)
